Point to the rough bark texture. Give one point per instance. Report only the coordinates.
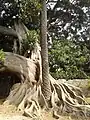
(46, 88)
(21, 31)
(8, 31)
(21, 66)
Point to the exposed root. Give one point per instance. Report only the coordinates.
(68, 98)
(33, 102)
(64, 98)
(28, 96)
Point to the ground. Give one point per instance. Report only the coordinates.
(11, 113)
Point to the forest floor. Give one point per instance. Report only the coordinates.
(10, 113)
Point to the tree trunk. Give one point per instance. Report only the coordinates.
(19, 32)
(8, 31)
(46, 88)
(25, 69)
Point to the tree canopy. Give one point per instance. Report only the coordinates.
(68, 19)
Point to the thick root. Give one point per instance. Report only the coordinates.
(67, 98)
(28, 96)
(64, 98)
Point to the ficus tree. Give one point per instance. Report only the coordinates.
(30, 86)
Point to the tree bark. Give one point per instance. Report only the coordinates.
(21, 31)
(24, 68)
(8, 31)
(46, 88)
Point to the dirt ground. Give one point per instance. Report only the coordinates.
(10, 113)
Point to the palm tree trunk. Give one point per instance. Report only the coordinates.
(46, 89)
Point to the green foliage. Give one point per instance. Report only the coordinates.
(67, 18)
(2, 55)
(29, 10)
(32, 38)
(67, 60)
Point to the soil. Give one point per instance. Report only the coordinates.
(10, 112)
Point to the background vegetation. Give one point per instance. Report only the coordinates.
(68, 33)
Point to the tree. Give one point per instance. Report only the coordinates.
(26, 84)
(69, 20)
(9, 11)
(44, 52)
(66, 19)
(67, 60)
(27, 88)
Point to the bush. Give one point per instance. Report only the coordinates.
(32, 38)
(67, 60)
